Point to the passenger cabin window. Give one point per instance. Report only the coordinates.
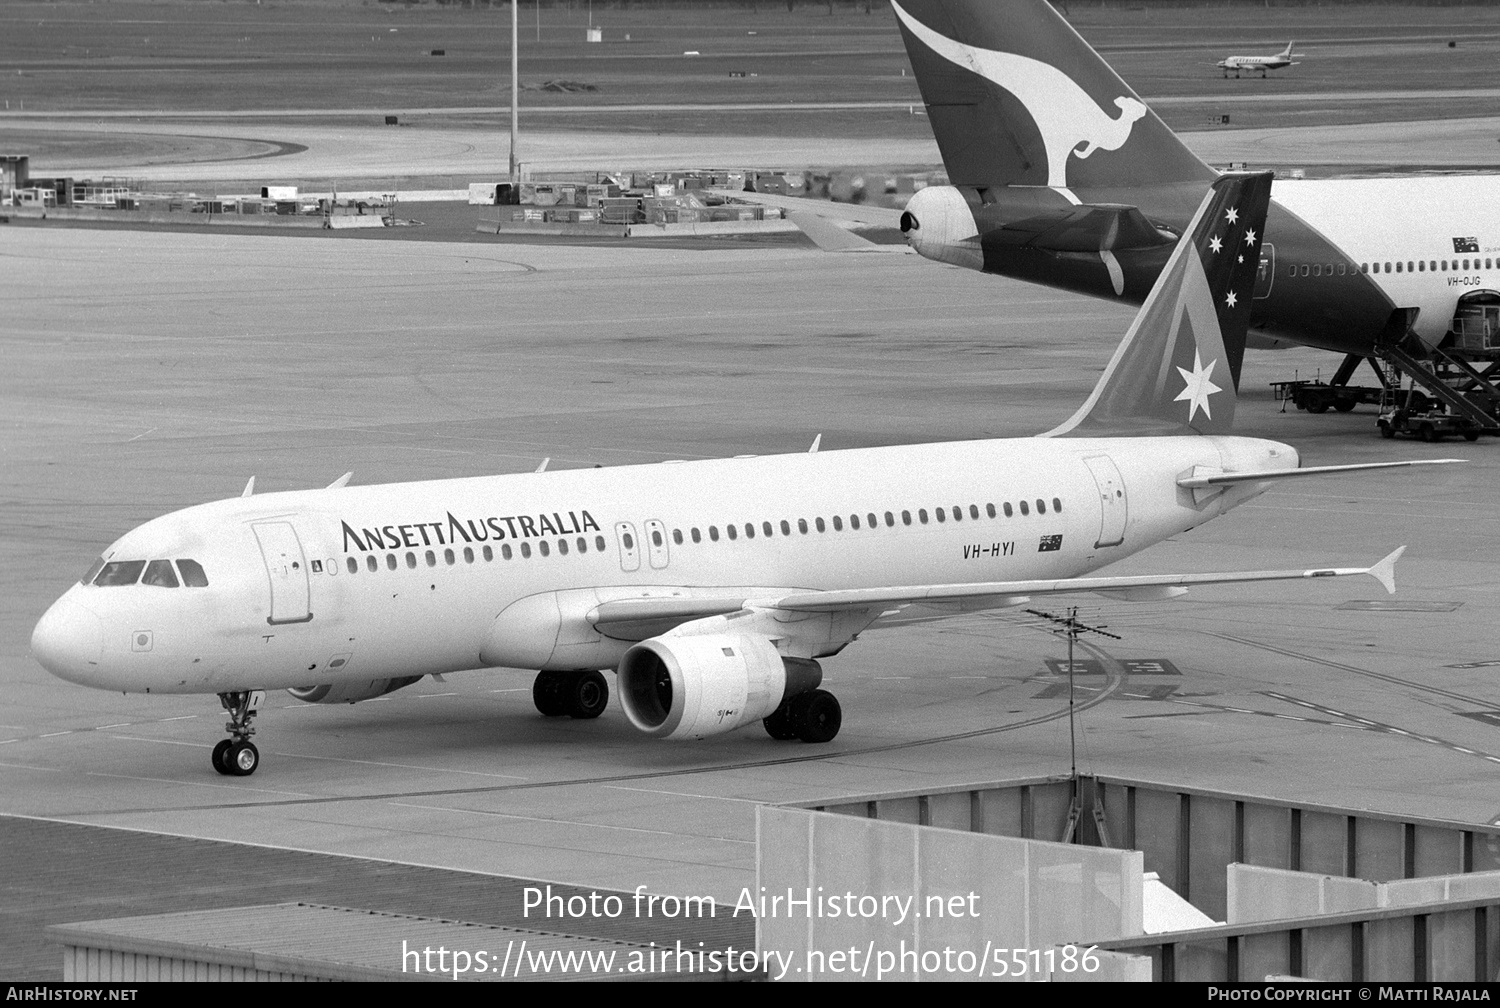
(353, 564)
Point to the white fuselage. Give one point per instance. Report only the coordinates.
(1406, 234)
(364, 582)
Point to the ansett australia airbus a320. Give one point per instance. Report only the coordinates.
(712, 588)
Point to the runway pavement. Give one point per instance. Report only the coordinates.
(146, 372)
(173, 151)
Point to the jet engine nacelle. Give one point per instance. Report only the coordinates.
(351, 692)
(695, 686)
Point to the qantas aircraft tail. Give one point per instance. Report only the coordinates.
(1178, 367)
(1016, 97)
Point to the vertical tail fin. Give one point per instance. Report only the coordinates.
(1287, 52)
(1177, 369)
(1016, 97)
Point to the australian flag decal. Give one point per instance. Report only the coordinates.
(1465, 245)
(1050, 544)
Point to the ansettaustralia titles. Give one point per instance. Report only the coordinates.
(465, 530)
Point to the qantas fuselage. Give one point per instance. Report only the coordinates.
(1340, 255)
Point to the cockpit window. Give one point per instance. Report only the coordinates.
(89, 577)
(121, 572)
(192, 574)
(159, 574)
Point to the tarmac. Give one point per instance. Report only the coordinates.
(147, 371)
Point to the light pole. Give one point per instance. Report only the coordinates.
(515, 97)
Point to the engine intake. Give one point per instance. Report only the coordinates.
(693, 687)
(351, 692)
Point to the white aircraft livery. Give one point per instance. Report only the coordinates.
(1280, 61)
(712, 588)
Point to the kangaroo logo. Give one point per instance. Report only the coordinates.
(1070, 121)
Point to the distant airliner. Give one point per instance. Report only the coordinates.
(711, 587)
(1060, 175)
(1261, 63)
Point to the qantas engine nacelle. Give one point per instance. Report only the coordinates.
(351, 692)
(694, 686)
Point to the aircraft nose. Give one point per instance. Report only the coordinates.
(68, 641)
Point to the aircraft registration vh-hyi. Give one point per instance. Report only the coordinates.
(1061, 175)
(711, 587)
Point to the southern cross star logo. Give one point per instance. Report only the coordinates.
(1230, 300)
(1197, 387)
(1232, 215)
(1249, 237)
(1214, 244)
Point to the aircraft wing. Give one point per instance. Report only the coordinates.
(637, 619)
(1147, 587)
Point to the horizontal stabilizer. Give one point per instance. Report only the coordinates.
(1103, 227)
(829, 237)
(1222, 479)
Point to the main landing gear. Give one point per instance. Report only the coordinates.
(237, 756)
(577, 694)
(814, 716)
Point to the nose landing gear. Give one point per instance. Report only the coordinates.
(237, 756)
